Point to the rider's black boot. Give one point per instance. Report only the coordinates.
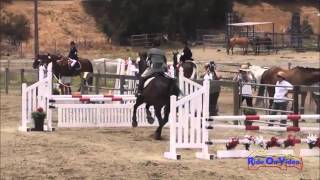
(140, 87)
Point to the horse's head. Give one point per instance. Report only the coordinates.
(142, 64)
(45, 59)
(41, 59)
(210, 67)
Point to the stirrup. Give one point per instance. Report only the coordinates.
(139, 94)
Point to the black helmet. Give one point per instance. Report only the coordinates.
(72, 43)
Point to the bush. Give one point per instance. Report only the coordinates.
(306, 28)
(15, 28)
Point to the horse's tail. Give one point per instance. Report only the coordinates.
(174, 88)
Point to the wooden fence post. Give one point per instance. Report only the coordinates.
(122, 82)
(6, 80)
(296, 92)
(97, 84)
(82, 85)
(105, 72)
(21, 78)
(236, 100)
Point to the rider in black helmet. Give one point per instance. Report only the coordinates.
(157, 63)
(73, 55)
(187, 54)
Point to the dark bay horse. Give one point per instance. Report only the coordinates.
(189, 67)
(157, 94)
(296, 76)
(258, 41)
(60, 65)
(243, 42)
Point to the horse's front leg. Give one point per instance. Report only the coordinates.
(149, 117)
(139, 101)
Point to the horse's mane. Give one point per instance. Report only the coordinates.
(307, 68)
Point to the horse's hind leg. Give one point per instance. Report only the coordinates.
(149, 117)
(161, 121)
(139, 101)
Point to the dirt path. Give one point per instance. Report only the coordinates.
(115, 153)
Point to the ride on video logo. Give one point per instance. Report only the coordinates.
(279, 161)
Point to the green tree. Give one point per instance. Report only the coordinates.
(127, 17)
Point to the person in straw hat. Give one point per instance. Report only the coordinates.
(280, 101)
(244, 76)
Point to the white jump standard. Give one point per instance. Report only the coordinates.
(190, 124)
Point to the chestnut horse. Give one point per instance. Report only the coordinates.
(296, 76)
(243, 42)
(157, 94)
(61, 68)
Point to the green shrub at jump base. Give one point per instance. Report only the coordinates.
(38, 117)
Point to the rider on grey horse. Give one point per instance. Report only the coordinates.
(157, 64)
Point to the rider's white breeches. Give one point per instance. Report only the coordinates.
(73, 62)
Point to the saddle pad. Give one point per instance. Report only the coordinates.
(147, 82)
(192, 63)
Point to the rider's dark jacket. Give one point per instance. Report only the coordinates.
(187, 54)
(73, 53)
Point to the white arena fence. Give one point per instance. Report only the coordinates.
(78, 110)
(119, 67)
(125, 67)
(190, 124)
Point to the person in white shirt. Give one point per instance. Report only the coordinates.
(244, 76)
(280, 101)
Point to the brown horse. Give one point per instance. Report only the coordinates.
(189, 67)
(60, 66)
(243, 42)
(296, 76)
(157, 94)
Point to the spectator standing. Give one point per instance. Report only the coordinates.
(280, 101)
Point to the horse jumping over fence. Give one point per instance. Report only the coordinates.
(243, 42)
(189, 67)
(157, 94)
(60, 66)
(296, 76)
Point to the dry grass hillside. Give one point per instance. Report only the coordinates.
(59, 22)
(62, 21)
(280, 14)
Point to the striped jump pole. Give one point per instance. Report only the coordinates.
(293, 117)
(209, 123)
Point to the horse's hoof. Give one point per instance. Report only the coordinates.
(157, 136)
(134, 123)
(150, 120)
